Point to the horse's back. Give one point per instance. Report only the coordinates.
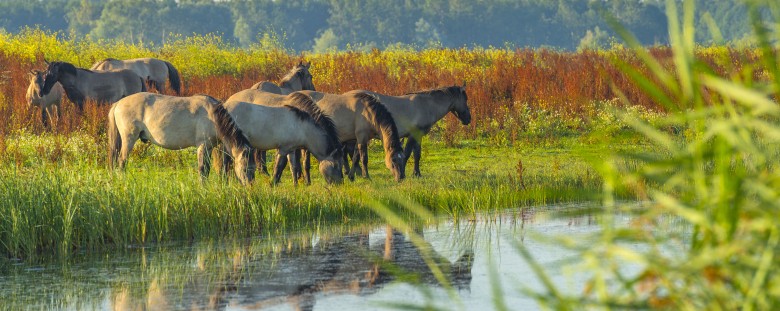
(168, 121)
(267, 127)
(268, 86)
(258, 97)
(343, 109)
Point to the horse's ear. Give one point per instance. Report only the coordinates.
(464, 84)
(300, 63)
(45, 61)
(307, 65)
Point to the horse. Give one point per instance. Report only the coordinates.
(299, 78)
(415, 113)
(296, 124)
(358, 117)
(81, 84)
(48, 103)
(172, 123)
(153, 71)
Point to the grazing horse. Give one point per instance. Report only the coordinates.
(359, 117)
(48, 103)
(105, 87)
(173, 123)
(299, 78)
(297, 124)
(153, 71)
(415, 113)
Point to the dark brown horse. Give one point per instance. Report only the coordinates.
(105, 87)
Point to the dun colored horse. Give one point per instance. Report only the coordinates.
(80, 84)
(357, 116)
(299, 78)
(415, 113)
(297, 123)
(48, 103)
(173, 123)
(154, 71)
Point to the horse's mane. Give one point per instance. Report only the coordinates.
(227, 129)
(67, 67)
(452, 91)
(304, 107)
(382, 121)
(210, 98)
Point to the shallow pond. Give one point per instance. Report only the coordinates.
(339, 269)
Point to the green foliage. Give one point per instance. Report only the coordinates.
(720, 179)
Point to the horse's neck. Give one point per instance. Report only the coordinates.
(430, 108)
(316, 140)
(290, 86)
(70, 85)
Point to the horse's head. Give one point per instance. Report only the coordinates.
(330, 167)
(459, 105)
(396, 163)
(244, 164)
(305, 77)
(53, 73)
(36, 84)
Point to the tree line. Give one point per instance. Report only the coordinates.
(320, 25)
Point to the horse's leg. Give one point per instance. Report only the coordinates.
(363, 150)
(204, 160)
(355, 164)
(260, 159)
(227, 160)
(413, 148)
(279, 164)
(295, 165)
(45, 116)
(160, 85)
(346, 149)
(417, 155)
(306, 155)
(128, 141)
(59, 112)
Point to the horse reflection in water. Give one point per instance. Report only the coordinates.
(348, 265)
(298, 275)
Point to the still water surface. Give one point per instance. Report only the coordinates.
(339, 269)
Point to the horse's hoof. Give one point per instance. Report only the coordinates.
(417, 174)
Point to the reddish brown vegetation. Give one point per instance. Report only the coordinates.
(535, 79)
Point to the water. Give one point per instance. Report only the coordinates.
(341, 269)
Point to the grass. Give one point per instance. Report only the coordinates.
(61, 198)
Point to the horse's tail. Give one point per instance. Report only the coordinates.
(114, 139)
(382, 121)
(143, 85)
(173, 77)
(227, 129)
